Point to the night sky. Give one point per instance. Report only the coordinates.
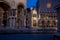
(31, 3)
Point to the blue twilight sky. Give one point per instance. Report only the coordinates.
(31, 3)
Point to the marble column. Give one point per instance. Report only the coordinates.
(12, 18)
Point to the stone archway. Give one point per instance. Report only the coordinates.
(3, 14)
(20, 7)
(20, 15)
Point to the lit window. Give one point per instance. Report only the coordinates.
(39, 23)
(47, 23)
(39, 16)
(35, 18)
(48, 5)
(34, 24)
(46, 16)
(34, 21)
(34, 12)
(54, 23)
(43, 22)
(34, 15)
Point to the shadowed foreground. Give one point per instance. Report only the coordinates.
(26, 37)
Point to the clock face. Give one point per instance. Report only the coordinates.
(48, 5)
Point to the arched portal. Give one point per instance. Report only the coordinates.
(20, 15)
(20, 7)
(3, 14)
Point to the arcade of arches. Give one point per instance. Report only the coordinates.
(4, 15)
(4, 8)
(20, 16)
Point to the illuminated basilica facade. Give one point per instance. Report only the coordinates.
(15, 15)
